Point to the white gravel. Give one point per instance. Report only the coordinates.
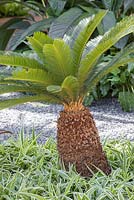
(111, 121)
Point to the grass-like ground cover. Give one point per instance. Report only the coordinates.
(29, 170)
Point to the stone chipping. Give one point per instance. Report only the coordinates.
(111, 121)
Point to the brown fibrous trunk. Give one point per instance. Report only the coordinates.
(78, 142)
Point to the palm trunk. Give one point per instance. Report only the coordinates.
(78, 142)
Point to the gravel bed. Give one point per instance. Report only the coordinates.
(111, 121)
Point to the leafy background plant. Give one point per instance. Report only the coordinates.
(119, 83)
(12, 9)
(9, 8)
(66, 14)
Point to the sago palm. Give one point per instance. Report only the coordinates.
(62, 72)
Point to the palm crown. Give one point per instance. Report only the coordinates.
(65, 69)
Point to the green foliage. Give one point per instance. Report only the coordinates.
(31, 170)
(37, 42)
(36, 26)
(65, 14)
(84, 35)
(118, 83)
(20, 61)
(120, 59)
(71, 86)
(108, 40)
(8, 28)
(10, 8)
(59, 69)
(58, 59)
(16, 28)
(126, 99)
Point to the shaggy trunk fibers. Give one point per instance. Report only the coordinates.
(78, 142)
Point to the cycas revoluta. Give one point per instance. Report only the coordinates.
(66, 69)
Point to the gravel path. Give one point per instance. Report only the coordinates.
(111, 121)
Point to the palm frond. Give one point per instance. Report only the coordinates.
(59, 92)
(58, 59)
(13, 102)
(11, 82)
(37, 41)
(68, 90)
(121, 59)
(20, 61)
(18, 88)
(91, 45)
(34, 76)
(71, 86)
(74, 32)
(42, 38)
(82, 34)
(122, 28)
(54, 88)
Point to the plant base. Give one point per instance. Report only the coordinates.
(78, 143)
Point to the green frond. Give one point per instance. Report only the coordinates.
(59, 92)
(20, 61)
(37, 41)
(13, 102)
(58, 59)
(33, 75)
(18, 88)
(37, 46)
(69, 89)
(97, 73)
(42, 38)
(11, 82)
(72, 34)
(84, 32)
(122, 28)
(71, 86)
(54, 88)
(91, 45)
(55, 80)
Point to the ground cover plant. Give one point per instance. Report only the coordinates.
(29, 170)
(64, 71)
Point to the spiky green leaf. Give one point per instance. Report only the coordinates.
(58, 59)
(91, 45)
(18, 88)
(86, 27)
(37, 41)
(33, 75)
(13, 102)
(122, 28)
(71, 86)
(121, 59)
(20, 61)
(54, 88)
